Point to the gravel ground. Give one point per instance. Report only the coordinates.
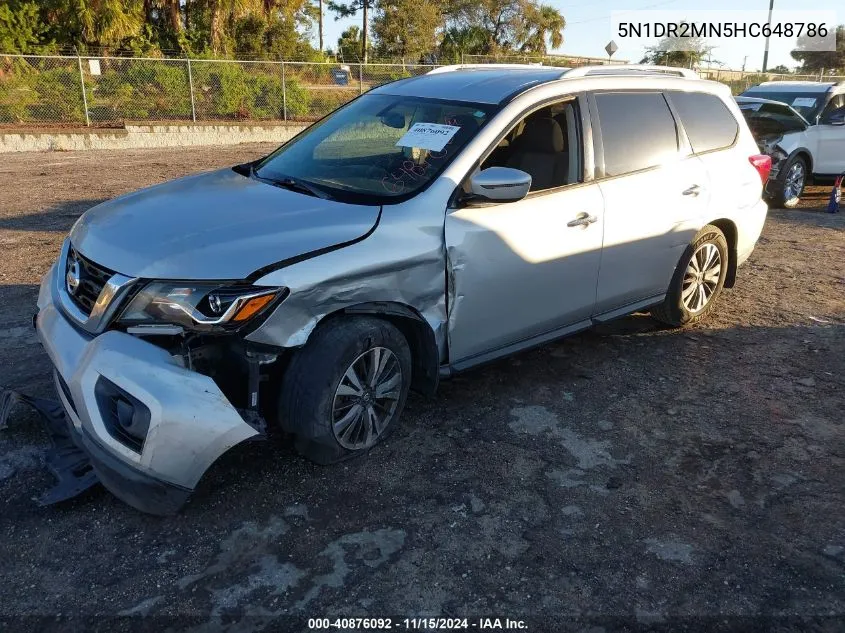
(631, 471)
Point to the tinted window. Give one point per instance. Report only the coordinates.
(708, 122)
(637, 131)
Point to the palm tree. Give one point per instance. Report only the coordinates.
(543, 24)
(108, 22)
(351, 7)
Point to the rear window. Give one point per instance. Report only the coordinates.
(637, 131)
(708, 122)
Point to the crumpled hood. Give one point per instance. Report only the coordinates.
(217, 225)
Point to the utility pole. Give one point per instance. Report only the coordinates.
(366, 6)
(766, 52)
(320, 24)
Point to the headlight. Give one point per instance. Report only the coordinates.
(198, 306)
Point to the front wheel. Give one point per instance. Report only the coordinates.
(343, 391)
(698, 280)
(789, 185)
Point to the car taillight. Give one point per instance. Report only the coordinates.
(763, 165)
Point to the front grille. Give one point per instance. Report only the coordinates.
(92, 279)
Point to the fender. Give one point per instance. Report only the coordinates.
(418, 333)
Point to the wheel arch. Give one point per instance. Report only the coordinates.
(731, 236)
(425, 358)
(806, 155)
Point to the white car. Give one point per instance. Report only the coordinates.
(801, 125)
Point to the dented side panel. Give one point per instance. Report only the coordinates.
(402, 262)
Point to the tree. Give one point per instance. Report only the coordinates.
(21, 27)
(681, 52)
(815, 61)
(406, 28)
(780, 70)
(541, 23)
(509, 25)
(349, 44)
(352, 7)
(457, 41)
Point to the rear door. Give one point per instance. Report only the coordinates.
(654, 192)
(714, 136)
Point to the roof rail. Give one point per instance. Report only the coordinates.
(453, 67)
(802, 82)
(624, 69)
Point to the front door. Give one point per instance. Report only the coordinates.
(518, 270)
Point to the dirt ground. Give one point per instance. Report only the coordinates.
(668, 478)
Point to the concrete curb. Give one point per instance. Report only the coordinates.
(146, 136)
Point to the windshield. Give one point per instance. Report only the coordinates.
(770, 118)
(807, 104)
(377, 149)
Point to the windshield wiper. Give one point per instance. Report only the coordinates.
(293, 184)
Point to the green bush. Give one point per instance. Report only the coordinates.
(227, 91)
(16, 97)
(142, 90)
(324, 101)
(59, 97)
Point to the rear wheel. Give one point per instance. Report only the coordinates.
(698, 280)
(344, 390)
(790, 182)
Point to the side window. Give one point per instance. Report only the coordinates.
(705, 117)
(637, 131)
(834, 104)
(545, 144)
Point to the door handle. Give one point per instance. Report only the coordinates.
(692, 191)
(582, 219)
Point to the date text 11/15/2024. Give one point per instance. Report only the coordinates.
(417, 624)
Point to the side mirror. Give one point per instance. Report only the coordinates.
(500, 184)
(834, 117)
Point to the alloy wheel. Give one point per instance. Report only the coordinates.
(701, 277)
(366, 398)
(794, 182)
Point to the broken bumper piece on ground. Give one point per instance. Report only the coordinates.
(150, 426)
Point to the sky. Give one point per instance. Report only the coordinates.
(589, 29)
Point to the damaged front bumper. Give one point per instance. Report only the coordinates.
(151, 426)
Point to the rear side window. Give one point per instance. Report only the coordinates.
(708, 122)
(637, 131)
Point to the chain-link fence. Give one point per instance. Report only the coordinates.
(562, 61)
(70, 90)
(742, 80)
(113, 90)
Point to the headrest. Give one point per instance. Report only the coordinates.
(542, 135)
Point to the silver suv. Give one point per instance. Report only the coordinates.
(431, 225)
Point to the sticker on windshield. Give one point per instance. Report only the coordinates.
(430, 136)
(804, 102)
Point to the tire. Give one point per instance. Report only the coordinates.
(317, 395)
(681, 306)
(788, 190)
